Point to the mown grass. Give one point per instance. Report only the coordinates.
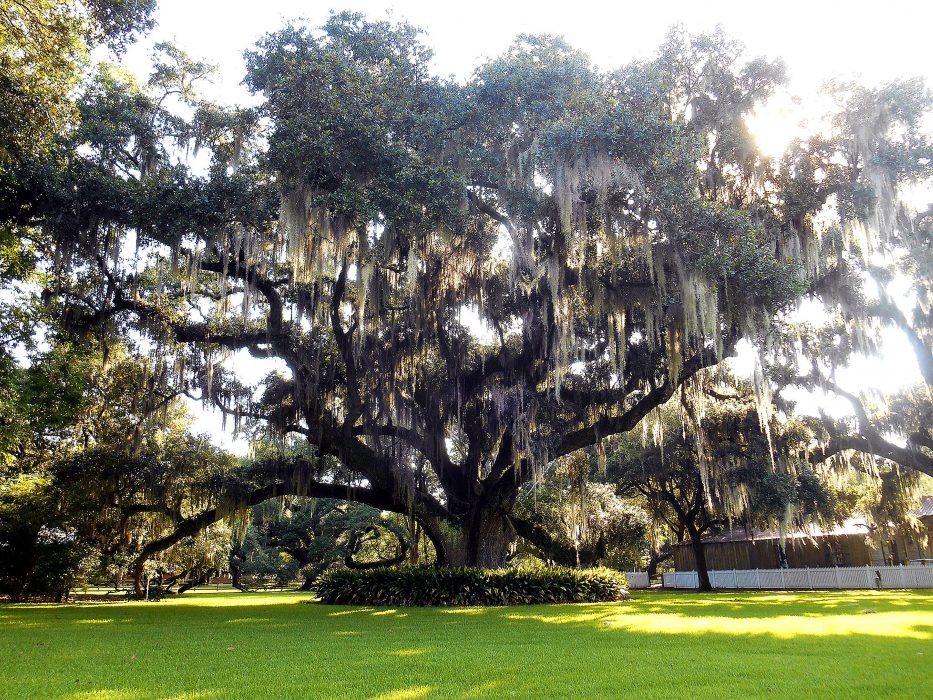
(679, 646)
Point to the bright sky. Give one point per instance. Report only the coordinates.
(817, 40)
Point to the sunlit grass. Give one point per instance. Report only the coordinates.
(210, 646)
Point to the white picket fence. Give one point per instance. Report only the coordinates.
(795, 579)
(637, 579)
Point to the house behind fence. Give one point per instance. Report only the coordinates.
(852, 555)
(854, 543)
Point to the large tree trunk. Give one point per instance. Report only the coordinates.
(490, 539)
(414, 532)
(482, 541)
(233, 563)
(235, 575)
(483, 535)
(138, 570)
(699, 558)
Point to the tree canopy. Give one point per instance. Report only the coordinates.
(464, 282)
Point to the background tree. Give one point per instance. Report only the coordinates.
(728, 469)
(252, 563)
(886, 495)
(318, 534)
(39, 555)
(571, 520)
(87, 456)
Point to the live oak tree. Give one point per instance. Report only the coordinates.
(725, 469)
(613, 233)
(94, 470)
(321, 533)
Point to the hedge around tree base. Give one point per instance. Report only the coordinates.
(432, 586)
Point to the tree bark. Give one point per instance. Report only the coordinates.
(481, 541)
(235, 581)
(138, 568)
(490, 536)
(699, 558)
(657, 558)
(414, 532)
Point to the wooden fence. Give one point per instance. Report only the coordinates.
(797, 579)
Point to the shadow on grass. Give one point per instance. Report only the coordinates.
(767, 605)
(732, 645)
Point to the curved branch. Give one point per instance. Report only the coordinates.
(868, 439)
(435, 453)
(910, 457)
(550, 548)
(356, 542)
(238, 269)
(612, 425)
(281, 487)
(541, 539)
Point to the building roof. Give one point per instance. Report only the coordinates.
(926, 507)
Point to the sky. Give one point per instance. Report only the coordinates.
(818, 40)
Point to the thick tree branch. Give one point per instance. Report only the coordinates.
(910, 457)
(542, 540)
(612, 425)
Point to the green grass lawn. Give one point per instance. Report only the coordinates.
(679, 646)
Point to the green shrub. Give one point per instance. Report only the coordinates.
(40, 556)
(427, 585)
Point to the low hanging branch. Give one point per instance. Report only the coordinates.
(867, 438)
(370, 534)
